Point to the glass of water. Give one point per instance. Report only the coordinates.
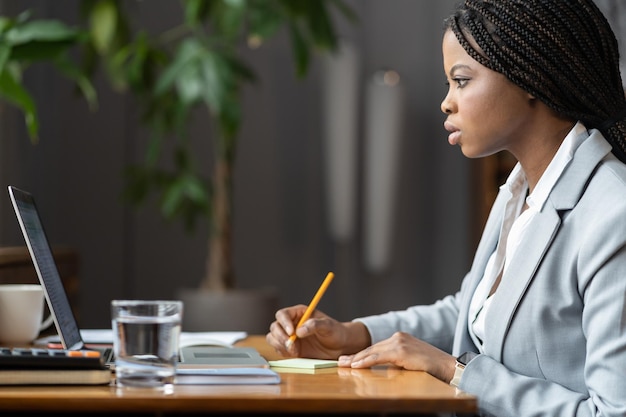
(145, 341)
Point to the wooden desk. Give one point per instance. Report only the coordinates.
(365, 392)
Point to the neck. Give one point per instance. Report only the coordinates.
(540, 145)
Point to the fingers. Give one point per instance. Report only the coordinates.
(283, 327)
(389, 351)
(277, 338)
(287, 318)
(373, 355)
(345, 361)
(279, 342)
(318, 337)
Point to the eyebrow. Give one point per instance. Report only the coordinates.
(459, 66)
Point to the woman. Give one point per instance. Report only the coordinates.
(539, 324)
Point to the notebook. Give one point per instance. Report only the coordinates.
(61, 311)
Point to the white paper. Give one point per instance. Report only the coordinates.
(225, 339)
(105, 337)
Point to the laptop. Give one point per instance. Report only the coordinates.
(61, 311)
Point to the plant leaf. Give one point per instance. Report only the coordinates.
(11, 90)
(187, 54)
(5, 23)
(172, 198)
(73, 72)
(196, 11)
(216, 80)
(103, 25)
(228, 17)
(40, 30)
(320, 25)
(300, 50)
(264, 19)
(5, 52)
(39, 51)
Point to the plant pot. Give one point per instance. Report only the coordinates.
(251, 311)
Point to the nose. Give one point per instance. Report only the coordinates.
(447, 105)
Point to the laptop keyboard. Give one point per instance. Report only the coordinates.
(108, 357)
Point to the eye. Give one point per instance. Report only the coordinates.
(460, 82)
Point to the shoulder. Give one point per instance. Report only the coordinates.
(608, 182)
(594, 174)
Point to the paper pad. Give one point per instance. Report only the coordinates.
(303, 363)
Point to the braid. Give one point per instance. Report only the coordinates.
(561, 51)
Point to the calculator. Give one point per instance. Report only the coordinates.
(49, 359)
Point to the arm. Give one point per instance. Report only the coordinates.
(323, 337)
(434, 324)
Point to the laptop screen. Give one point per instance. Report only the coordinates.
(40, 252)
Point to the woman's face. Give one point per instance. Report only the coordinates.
(486, 112)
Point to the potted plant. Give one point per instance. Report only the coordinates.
(194, 65)
(198, 64)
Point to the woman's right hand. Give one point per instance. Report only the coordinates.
(319, 337)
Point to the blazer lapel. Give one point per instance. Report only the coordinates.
(518, 276)
(489, 240)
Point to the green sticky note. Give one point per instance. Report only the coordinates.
(303, 363)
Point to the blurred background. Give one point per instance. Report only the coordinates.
(285, 236)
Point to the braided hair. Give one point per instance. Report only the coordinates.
(563, 52)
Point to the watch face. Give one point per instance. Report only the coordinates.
(466, 357)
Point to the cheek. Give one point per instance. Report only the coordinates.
(476, 109)
(488, 108)
(486, 122)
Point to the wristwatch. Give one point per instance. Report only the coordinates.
(459, 367)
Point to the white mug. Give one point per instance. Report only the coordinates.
(21, 312)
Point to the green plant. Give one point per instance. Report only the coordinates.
(198, 64)
(25, 41)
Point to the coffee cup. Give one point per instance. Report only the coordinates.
(21, 313)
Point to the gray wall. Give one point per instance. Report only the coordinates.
(281, 238)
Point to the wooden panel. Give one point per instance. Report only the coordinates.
(16, 267)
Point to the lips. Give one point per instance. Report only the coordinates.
(455, 133)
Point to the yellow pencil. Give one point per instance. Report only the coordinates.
(309, 310)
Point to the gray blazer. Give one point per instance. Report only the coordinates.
(555, 341)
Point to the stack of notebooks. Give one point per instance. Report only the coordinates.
(38, 366)
(206, 358)
(33, 366)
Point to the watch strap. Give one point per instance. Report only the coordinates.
(459, 367)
